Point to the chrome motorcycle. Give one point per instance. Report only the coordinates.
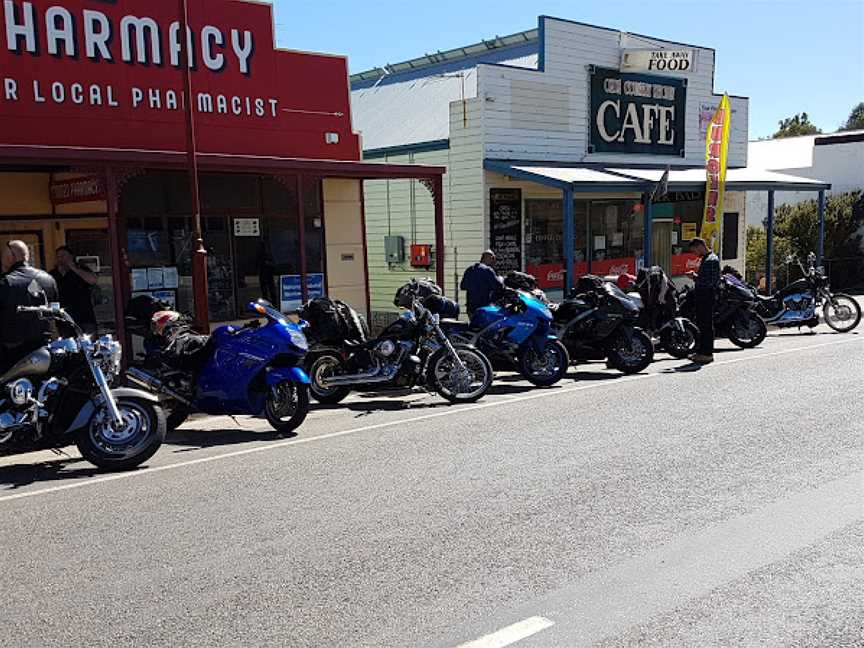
(798, 303)
(60, 395)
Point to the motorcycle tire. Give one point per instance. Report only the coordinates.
(112, 450)
(851, 304)
(274, 409)
(755, 327)
(560, 361)
(630, 356)
(680, 344)
(477, 363)
(318, 369)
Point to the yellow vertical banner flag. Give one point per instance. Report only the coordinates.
(716, 149)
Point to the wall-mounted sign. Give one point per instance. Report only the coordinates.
(637, 113)
(291, 294)
(84, 189)
(247, 227)
(658, 60)
(505, 227)
(80, 73)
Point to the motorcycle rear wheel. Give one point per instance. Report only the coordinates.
(545, 369)
(139, 439)
(750, 334)
(631, 353)
(323, 366)
(286, 406)
(680, 344)
(842, 308)
(444, 374)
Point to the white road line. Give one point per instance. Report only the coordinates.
(511, 634)
(450, 411)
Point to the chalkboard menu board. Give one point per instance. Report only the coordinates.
(505, 212)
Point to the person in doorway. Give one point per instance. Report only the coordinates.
(75, 282)
(481, 282)
(706, 282)
(22, 285)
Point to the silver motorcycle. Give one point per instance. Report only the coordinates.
(60, 394)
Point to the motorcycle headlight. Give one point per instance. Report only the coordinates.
(109, 355)
(298, 339)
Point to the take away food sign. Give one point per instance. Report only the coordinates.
(107, 74)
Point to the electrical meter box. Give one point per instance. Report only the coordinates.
(394, 249)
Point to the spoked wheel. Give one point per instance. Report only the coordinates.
(323, 367)
(748, 331)
(287, 406)
(842, 313)
(678, 343)
(546, 368)
(460, 384)
(120, 447)
(631, 352)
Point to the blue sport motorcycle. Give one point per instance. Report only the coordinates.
(254, 369)
(516, 331)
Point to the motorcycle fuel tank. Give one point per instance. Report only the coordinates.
(37, 363)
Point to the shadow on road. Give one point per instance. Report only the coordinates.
(192, 439)
(19, 475)
(595, 375)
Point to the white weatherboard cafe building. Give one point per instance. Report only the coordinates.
(553, 139)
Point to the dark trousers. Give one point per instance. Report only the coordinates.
(705, 321)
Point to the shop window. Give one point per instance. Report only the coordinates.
(230, 191)
(730, 236)
(91, 247)
(616, 236)
(313, 215)
(544, 240)
(144, 195)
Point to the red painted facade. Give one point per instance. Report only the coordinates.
(58, 88)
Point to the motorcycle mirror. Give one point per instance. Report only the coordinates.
(36, 291)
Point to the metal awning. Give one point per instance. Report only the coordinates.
(588, 178)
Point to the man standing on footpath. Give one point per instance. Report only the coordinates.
(22, 285)
(75, 282)
(481, 282)
(706, 281)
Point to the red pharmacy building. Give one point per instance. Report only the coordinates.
(94, 142)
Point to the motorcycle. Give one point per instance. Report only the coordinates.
(60, 394)
(735, 314)
(797, 304)
(253, 369)
(657, 298)
(516, 331)
(601, 321)
(413, 350)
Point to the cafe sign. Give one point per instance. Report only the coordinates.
(637, 113)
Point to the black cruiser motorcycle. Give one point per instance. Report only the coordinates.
(798, 303)
(412, 351)
(735, 314)
(60, 394)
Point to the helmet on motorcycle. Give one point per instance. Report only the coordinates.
(625, 281)
(162, 320)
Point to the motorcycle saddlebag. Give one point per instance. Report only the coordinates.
(324, 319)
(421, 289)
(442, 306)
(588, 284)
(520, 281)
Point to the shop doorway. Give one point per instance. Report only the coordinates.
(662, 244)
(35, 242)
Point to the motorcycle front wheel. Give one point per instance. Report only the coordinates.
(680, 344)
(748, 331)
(287, 406)
(547, 368)
(842, 312)
(631, 352)
(458, 385)
(120, 448)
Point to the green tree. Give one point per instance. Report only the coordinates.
(796, 125)
(844, 215)
(856, 119)
(757, 242)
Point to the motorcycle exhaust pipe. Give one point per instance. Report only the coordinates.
(154, 384)
(373, 376)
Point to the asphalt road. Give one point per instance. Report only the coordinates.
(723, 506)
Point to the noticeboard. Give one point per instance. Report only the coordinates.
(291, 294)
(505, 227)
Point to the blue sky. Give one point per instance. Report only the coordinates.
(788, 56)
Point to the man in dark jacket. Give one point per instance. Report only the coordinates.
(481, 282)
(706, 282)
(22, 285)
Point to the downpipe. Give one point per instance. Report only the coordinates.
(155, 385)
(369, 377)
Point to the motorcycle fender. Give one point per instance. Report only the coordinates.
(276, 375)
(89, 408)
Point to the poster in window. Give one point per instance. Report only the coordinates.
(505, 226)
